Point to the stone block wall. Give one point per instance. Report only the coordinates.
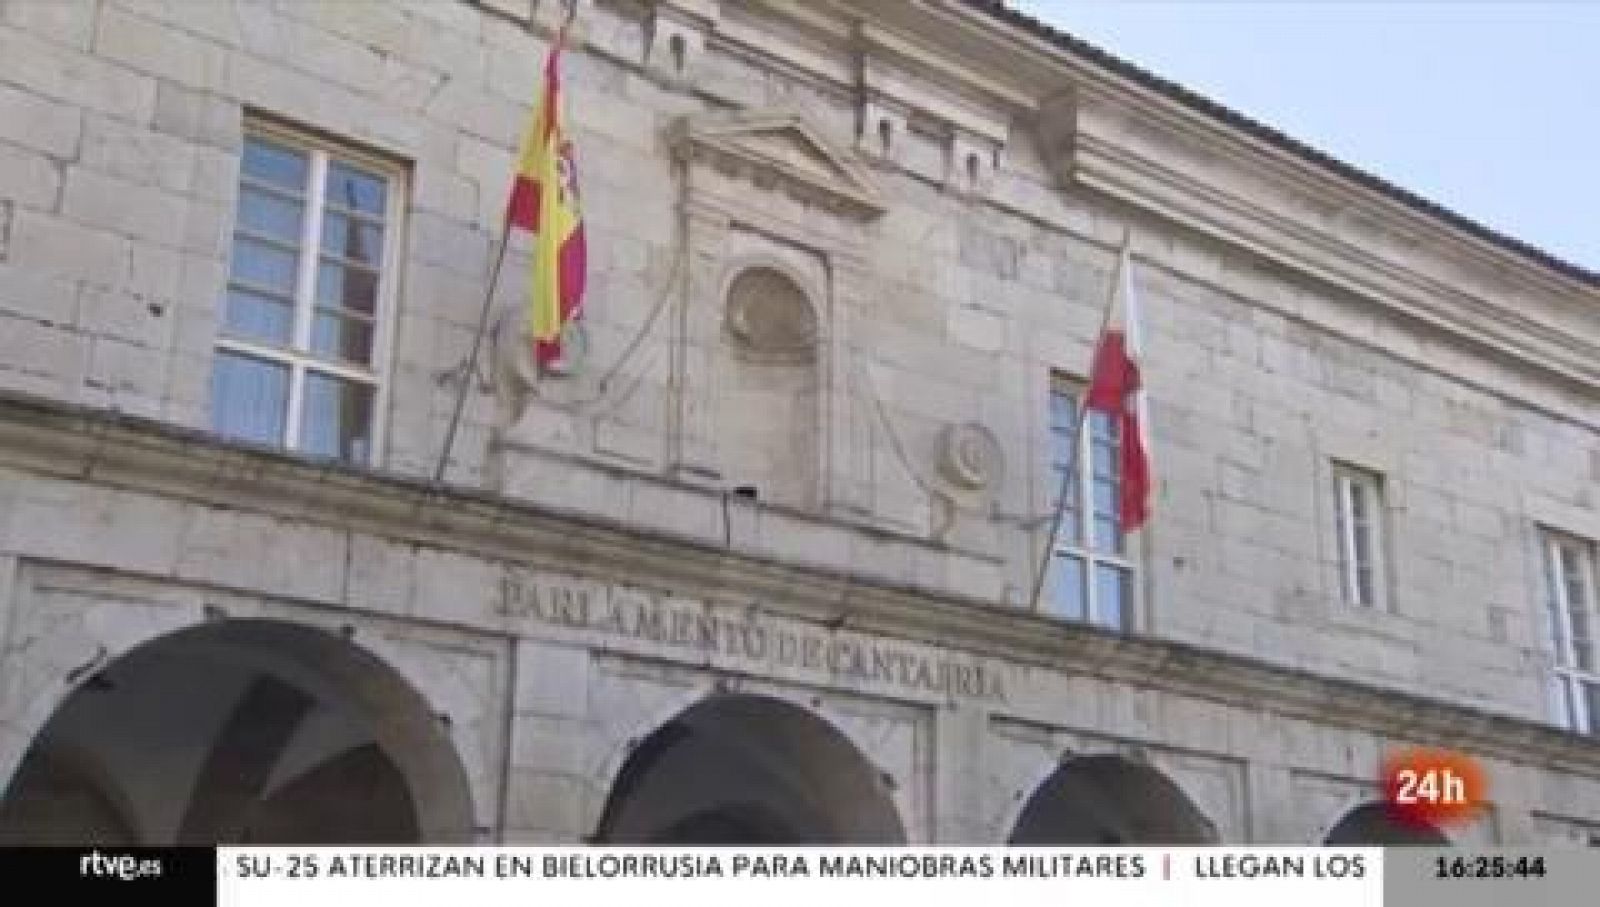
(544, 650)
(121, 123)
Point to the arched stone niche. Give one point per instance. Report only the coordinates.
(765, 381)
(768, 316)
(777, 219)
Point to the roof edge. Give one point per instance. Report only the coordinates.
(1002, 12)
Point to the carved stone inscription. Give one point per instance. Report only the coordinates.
(744, 638)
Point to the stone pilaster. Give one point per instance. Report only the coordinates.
(695, 322)
(959, 734)
(547, 791)
(848, 417)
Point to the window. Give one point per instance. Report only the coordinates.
(299, 354)
(1358, 524)
(1091, 577)
(1569, 571)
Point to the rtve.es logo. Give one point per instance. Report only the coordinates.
(126, 867)
(1433, 787)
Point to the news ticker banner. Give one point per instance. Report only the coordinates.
(807, 877)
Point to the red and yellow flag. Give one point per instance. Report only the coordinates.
(544, 201)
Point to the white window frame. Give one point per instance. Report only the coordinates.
(1083, 548)
(1349, 484)
(1573, 703)
(298, 356)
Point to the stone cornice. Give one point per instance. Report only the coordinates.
(1041, 68)
(141, 456)
(1105, 131)
(1302, 222)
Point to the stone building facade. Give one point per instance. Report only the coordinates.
(756, 564)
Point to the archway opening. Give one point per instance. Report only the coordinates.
(248, 732)
(1107, 801)
(1373, 825)
(745, 770)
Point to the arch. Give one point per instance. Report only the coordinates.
(1373, 824)
(1110, 800)
(748, 769)
(252, 730)
(769, 313)
(766, 383)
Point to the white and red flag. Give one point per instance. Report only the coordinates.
(1116, 388)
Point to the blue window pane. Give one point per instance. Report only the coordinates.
(249, 398)
(256, 317)
(356, 240)
(268, 214)
(1107, 535)
(1067, 587)
(340, 286)
(349, 187)
(1104, 460)
(1061, 449)
(264, 266)
(1100, 426)
(1112, 597)
(345, 339)
(1553, 626)
(1567, 704)
(1579, 619)
(273, 163)
(1591, 696)
(1063, 479)
(1063, 411)
(1105, 498)
(336, 418)
(1071, 529)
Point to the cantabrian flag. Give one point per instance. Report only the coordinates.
(544, 201)
(1116, 389)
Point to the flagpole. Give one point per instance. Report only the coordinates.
(1147, 531)
(1082, 418)
(471, 369)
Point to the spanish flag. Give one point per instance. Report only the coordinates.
(544, 201)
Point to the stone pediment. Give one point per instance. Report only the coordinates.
(779, 149)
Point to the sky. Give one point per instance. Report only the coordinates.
(1491, 109)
